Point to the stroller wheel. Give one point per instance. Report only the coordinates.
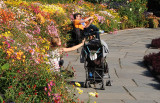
(87, 84)
(108, 83)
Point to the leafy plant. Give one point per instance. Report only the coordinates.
(1, 99)
(134, 10)
(156, 43)
(153, 61)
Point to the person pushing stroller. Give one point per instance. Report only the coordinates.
(93, 55)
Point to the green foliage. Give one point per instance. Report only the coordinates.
(153, 23)
(1, 99)
(5, 67)
(133, 12)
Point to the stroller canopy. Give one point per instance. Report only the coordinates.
(96, 44)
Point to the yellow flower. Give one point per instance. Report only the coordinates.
(24, 56)
(12, 60)
(43, 41)
(46, 47)
(37, 49)
(7, 34)
(18, 57)
(125, 18)
(52, 8)
(94, 101)
(19, 53)
(77, 84)
(40, 18)
(79, 90)
(92, 94)
(43, 50)
(96, 93)
(9, 52)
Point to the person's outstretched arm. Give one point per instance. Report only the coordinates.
(73, 48)
(89, 24)
(85, 20)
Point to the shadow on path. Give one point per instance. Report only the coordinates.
(140, 63)
(155, 86)
(148, 45)
(148, 73)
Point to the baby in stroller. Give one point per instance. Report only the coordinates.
(93, 55)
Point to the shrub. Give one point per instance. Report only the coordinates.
(156, 43)
(153, 60)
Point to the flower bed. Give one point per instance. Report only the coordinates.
(155, 43)
(25, 76)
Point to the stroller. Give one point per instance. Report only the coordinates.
(95, 64)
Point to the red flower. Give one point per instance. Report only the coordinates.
(35, 93)
(29, 86)
(3, 101)
(18, 71)
(19, 93)
(34, 86)
(96, 95)
(10, 87)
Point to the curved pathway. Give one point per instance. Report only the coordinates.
(131, 81)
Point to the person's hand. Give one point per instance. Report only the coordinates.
(83, 40)
(91, 17)
(91, 21)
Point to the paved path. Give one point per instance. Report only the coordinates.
(132, 83)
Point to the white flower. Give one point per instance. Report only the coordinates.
(127, 2)
(92, 94)
(140, 9)
(130, 9)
